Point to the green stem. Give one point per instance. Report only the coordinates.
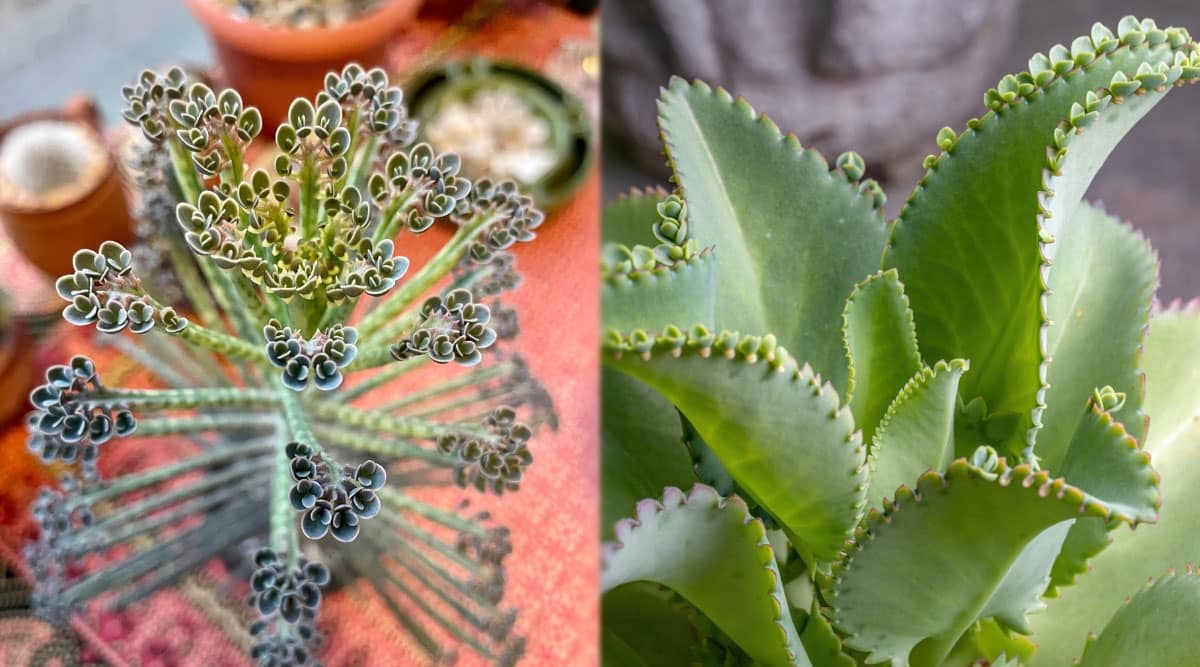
(362, 161)
(214, 535)
(372, 357)
(186, 398)
(136, 528)
(405, 503)
(379, 379)
(222, 343)
(283, 517)
(200, 423)
(471, 378)
(462, 586)
(344, 415)
(308, 199)
(186, 176)
(134, 482)
(242, 469)
(192, 284)
(437, 267)
(447, 625)
(372, 444)
(457, 403)
(223, 532)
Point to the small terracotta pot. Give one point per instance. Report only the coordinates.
(49, 237)
(16, 371)
(272, 65)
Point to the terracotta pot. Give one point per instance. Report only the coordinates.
(48, 237)
(272, 65)
(16, 371)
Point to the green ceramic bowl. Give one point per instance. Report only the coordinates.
(570, 131)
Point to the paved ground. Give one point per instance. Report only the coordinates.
(50, 49)
(1152, 179)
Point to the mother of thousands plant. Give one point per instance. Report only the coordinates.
(305, 424)
(928, 429)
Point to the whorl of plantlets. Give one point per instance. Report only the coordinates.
(273, 263)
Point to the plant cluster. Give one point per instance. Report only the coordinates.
(304, 393)
(902, 439)
(301, 13)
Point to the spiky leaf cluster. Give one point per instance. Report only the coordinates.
(69, 421)
(320, 358)
(285, 595)
(103, 290)
(333, 500)
(908, 443)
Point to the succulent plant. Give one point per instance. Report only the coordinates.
(301, 13)
(902, 439)
(307, 426)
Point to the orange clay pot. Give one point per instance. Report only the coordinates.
(271, 65)
(16, 371)
(48, 237)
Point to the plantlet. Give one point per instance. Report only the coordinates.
(301, 13)
(306, 396)
(899, 461)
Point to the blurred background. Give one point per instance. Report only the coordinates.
(67, 60)
(881, 77)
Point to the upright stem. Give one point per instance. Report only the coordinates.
(344, 415)
(187, 398)
(438, 266)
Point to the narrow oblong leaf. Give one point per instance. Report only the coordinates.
(881, 344)
(917, 433)
(792, 237)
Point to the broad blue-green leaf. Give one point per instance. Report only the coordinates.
(963, 545)
(642, 447)
(1106, 463)
(823, 645)
(643, 625)
(627, 219)
(881, 344)
(1104, 278)
(655, 298)
(777, 429)
(1156, 627)
(969, 243)
(714, 554)
(1171, 362)
(917, 433)
(792, 238)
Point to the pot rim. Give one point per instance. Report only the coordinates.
(110, 165)
(302, 44)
